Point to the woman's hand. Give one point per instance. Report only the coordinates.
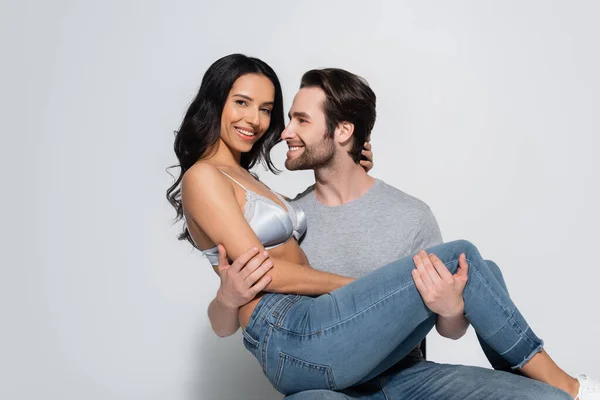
(441, 291)
(368, 153)
(244, 279)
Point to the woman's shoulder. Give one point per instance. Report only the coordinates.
(204, 177)
(200, 169)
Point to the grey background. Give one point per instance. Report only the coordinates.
(488, 111)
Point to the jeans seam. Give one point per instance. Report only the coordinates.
(522, 333)
(508, 321)
(512, 347)
(320, 331)
(318, 367)
(488, 288)
(249, 338)
(275, 307)
(282, 310)
(382, 381)
(538, 349)
(264, 349)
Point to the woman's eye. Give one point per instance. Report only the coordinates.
(266, 111)
(241, 102)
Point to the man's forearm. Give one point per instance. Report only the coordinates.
(452, 327)
(224, 320)
(302, 279)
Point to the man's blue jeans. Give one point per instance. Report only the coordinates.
(356, 333)
(424, 380)
(414, 379)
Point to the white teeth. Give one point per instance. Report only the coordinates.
(295, 148)
(245, 133)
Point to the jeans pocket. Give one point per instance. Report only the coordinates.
(295, 375)
(250, 343)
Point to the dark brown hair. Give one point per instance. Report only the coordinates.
(348, 98)
(201, 126)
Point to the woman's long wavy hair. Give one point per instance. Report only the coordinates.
(201, 126)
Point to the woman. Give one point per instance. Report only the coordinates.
(363, 327)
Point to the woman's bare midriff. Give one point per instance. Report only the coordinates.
(289, 251)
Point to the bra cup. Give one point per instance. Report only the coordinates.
(301, 223)
(270, 222)
(298, 216)
(274, 227)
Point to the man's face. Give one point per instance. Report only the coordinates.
(310, 145)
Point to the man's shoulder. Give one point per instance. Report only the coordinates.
(400, 199)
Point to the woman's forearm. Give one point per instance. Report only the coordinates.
(287, 277)
(224, 320)
(292, 278)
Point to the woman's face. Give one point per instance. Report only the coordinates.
(247, 112)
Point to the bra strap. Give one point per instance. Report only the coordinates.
(242, 186)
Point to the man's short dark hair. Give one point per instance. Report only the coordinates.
(348, 98)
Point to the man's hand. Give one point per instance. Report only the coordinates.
(441, 291)
(368, 153)
(244, 279)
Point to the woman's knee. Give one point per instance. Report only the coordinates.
(495, 269)
(464, 246)
(472, 254)
(468, 249)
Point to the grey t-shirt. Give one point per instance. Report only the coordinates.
(381, 226)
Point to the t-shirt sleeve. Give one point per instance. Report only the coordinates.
(427, 233)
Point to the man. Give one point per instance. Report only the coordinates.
(357, 223)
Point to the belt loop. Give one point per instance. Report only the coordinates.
(281, 310)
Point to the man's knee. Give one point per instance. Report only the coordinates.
(317, 395)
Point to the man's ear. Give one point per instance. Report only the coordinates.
(344, 132)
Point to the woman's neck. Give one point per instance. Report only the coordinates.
(221, 154)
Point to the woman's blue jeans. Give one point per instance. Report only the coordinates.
(355, 333)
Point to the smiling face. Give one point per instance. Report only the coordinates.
(310, 144)
(247, 112)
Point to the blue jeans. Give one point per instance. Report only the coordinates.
(354, 334)
(419, 379)
(431, 381)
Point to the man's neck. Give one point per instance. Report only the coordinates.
(341, 183)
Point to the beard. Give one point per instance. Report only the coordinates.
(313, 156)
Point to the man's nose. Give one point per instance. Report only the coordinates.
(288, 132)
